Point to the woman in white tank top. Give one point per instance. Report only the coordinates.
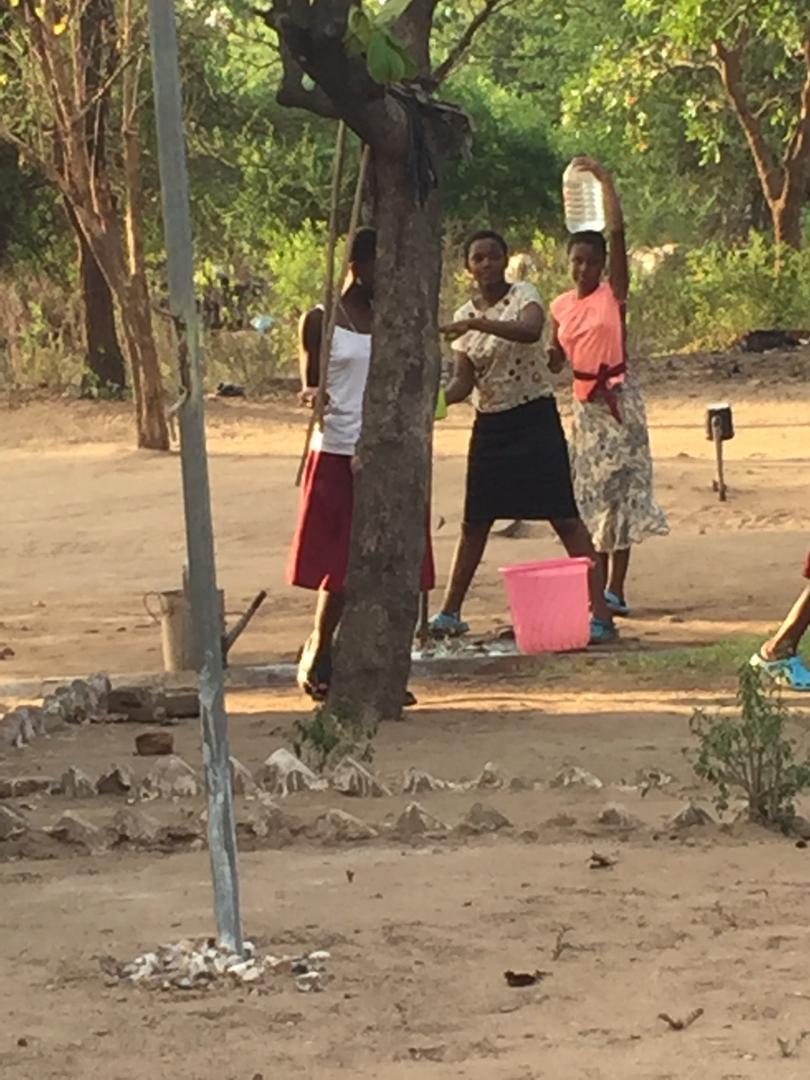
(320, 554)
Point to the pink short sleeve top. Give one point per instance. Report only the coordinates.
(591, 332)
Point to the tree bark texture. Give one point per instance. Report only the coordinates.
(391, 514)
(104, 358)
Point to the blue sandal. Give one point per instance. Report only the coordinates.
(790, 672)
(602, 632)
(446, 625)
(616, 604)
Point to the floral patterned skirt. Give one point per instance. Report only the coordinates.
(613, 475)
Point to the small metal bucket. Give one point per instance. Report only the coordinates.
(173, 615)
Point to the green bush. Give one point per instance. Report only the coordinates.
(297, 265)
(750, 754)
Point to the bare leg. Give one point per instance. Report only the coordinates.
(785, 642)
(469, 552)
(577, 542)
(318, 648)
(619, 564)
(328, 614)
(604, 561)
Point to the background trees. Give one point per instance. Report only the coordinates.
(645, 85)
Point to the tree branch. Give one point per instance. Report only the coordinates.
(798, 149)
(459, 50)
(291, 92)
(413, 28)
(770, 174)
(313, 44)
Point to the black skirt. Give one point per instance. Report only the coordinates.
(518, 467)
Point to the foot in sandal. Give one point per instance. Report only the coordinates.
(789, 671)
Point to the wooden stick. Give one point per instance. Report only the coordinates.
(332, 296)
(230, 638)
(329, 294)
(326, 341)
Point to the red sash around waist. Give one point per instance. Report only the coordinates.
(600, 388)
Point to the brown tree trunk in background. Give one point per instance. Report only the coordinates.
(783, 179)
(136, 322)
(103, 355)
(787, 219)
(390, 524)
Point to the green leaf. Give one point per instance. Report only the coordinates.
(411, 70)
(391, 11)
(359, 29)
(385, 64)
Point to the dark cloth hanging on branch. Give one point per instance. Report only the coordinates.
(421, 172)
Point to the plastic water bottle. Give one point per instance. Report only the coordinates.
(583, 200)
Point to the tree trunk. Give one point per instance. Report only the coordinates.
(132, 303)
(787, 218)
(104, 358)
(372, 662)
(136, 322)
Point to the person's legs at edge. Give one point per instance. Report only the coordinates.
(469, 551)
(785, 641)
(577, 542)
(617, 576)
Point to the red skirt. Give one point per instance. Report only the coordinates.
(320, 552)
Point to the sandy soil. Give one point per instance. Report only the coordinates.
(90, 525)
(420, 939)
(711, 919)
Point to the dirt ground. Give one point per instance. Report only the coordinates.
(90, 525)
(709, 919)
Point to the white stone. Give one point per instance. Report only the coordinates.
(336, 826)
(690, 817)
(169, 778)
(617, 816)
(284, 774)
(482, 819)
(416, 821)
(118, 781)
(75, 830)
(353, 779)
(492, 778)
(417, 782)
(132, 826)
(573, 776)
(12, 824)
(241, 780)
(76, 784)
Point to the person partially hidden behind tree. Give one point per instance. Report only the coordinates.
(320, 553)
(779, 657)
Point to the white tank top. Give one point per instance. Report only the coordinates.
(345, 386)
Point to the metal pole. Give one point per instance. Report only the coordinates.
(196, 492)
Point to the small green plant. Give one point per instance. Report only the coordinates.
(322, 739)
(751, 753)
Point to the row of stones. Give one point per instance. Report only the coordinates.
(80, 702)
(267, 825)
(281, 774)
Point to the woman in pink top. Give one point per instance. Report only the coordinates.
(611, 461)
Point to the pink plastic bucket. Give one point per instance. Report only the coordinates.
(549, 602)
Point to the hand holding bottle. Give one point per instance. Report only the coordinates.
(612, 202)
